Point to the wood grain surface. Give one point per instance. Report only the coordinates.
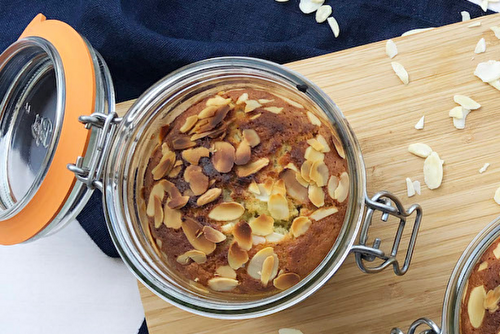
(383, 112)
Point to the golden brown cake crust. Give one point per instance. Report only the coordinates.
(283, 131)
(486, 274)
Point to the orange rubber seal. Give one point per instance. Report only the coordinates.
(80, 87)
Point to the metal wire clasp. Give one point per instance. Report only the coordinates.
(388, 204)
(91, 175)
(434, 329)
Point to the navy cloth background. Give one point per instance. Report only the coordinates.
(142, 41)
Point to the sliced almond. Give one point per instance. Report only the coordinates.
(255, 116)
(172, 217)
(275, 237)
(482, 266)
(262, 225)
(157, 191)
(207, 112)
(391, 49)
(459, 123)
(213, 235)
(254, 268)
(497, 196)
(178, 202)
(488, 71)
(264, 101)
(319, 173)
(334, 26)
(496, 251)
(264, 190)
(254, 188)
(195, 255)
(300, 179)
(210, 196)
(420, 123)
(496, 31)
(189, 123)
(475, 308)
(409, 187)
(457, 112)
(182, 142)
(324, 143)
(433, 171)
(420, 150)
(465, 16)
(243, 153)
(484, 168)
(343, 189)
(251, 105)
(316, 195)
(310, 6)
(236, 256)
(300, 225)
(305, 171)
(222, 284)
(294, 188)
(279, 188)
(242, 233)
(193, 155)
(227, 211)
(400, 72)
(218, 101)
(243, 97)
(290, 101)
(313, 119)
(315, 144)
(257, 240)
(274, 110)
(223, 157)
(416, 186)
(278, 207)
(323, 213)
(251, 168)
(480, 46)
(333, 183)
(227, 228)
(289, 331)
(466, 102)
(338, 145)
(267, 270)
(193, 231)
(158, 215)
(491, 300)
(323, 13)
(164, 166)
(286, 281)
(312, 155)
(175, 172)
(251, 137)
(473, 25)
(198, 182)
(226, 271)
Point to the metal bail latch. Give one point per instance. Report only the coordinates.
(91, 175)
(434, 329)
(389, 205)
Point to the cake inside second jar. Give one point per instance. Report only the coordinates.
(246, 192)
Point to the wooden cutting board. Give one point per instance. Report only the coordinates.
(383, 112)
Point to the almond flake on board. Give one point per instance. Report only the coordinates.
(459, 123)
(334, 25)
(391, 49)
(310, 6)
(420, 150)
(465, 16)
(497, 196)
(457, 112)
(488, 71)
(495, 84)
(480, 46)
(420, 123)
(323, 13)
(289, 331)
(496, 30)
(400, 72)
(475, 24)
(416, 186)
(484, 168)
(409, 187)
(433, 171)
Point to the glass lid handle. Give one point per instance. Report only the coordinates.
(388, 205)
(433, 328)
(91, 175)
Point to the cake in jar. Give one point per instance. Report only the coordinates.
(479, 311)
(246, 192)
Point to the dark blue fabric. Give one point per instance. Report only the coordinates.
(144, 40)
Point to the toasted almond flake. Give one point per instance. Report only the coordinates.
(262, 225)
(193, 155)
(178, 202)
(301, 180)
(265, 190)
(213, 235)
(475, 24)
(290, 101)
(217, 101)
(391, 49)
(465, 16)
(172, 217)
(227, 228)
(300, 225)
(496, 252)
(322, 13)
(343, 188)
(488, 71)
(182, 142)
(334, 25)
(236, 257)
(192, 230)
(338, 145)
(210, 196)
(484, 5)
(312, 155)
(243, 153)
(480, 47)
(267, 269)
(475, 308)
(226, 271)
(275, 237)
(457, 112)
(243, 97)
(409, 187)
(416, 186)
(207, 112)
(189, 123)
(459, 123)
(319, 173)
(313, 119)
(198, 182)
(323, 213)
(333, 183)
(264, 101)
(257, 240)
(227, 211)
(315, 144)
(274, 110)
(484, 168)
(157, 191)
(278, 207)
(251, 168)
(223, 157)
(497, 196)
(158, 215)
(309, 6)
(256, 116)
(466, 102)
(222, 284)
(316, 195)
(324, 143)
(482, 266)
(415, 31)
(305, 170)
(294, 188)
(292, 166)
(254, 188)
(400, 72)
(420, 150)
(254, 268)
(491, 300)
(242, 233)
(164, 166)
(433, 171)
(279, 188)
(286, 281)
(251, 137)
(175, 172)
(251, 105)
(420, 123)
(195, 255)
(496, 30)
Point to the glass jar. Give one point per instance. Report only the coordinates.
(117, 149)
(450, 317)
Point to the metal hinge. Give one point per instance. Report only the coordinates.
(91, 175)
